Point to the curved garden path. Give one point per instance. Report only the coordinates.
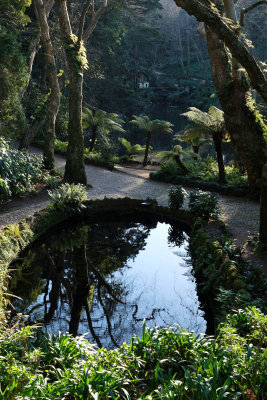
(241, 216)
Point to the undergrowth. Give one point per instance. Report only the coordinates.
(203, 174)
(164, 363)
(19, 171)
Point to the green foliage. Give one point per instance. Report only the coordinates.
(164, 363)
(61, 147)
(131, 150)
(204, 204)
(107, 149)
(146, 124)
(105, 157)
(12, 64)
(76, 53)
(102, 120)
(203, 174)
(96, 158)
(227, 281)
(176, 197)
(68, 197)
(19, 171)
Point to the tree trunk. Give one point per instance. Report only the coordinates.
(93, 138)
(54, 97)
(148, 138)
(195, 149)
(75, 170)
(180, 164)
(33, 48)
(263, 209)
(245, 129)
(217, 139)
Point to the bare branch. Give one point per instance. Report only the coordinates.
(246, 10)
(94, 19)
(89, 3)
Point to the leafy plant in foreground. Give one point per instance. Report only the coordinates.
(164, 363)
(69, 197)
(176, 197)
(19, 171)
(204, 204)
(131, 150)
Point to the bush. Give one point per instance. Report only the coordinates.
(19, 171)
(176, 197)
(204, 204)
(203, 174)
(69, 197)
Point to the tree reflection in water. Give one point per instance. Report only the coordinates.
(75, 282)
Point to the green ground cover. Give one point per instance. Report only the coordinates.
(203, 174)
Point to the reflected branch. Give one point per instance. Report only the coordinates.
(107, 316)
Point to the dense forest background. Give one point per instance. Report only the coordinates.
(134, 42)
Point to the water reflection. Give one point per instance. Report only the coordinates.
(106, 278)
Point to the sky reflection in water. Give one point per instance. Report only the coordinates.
(127, 272)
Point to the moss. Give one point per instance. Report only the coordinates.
(250, 103)
(76, 53)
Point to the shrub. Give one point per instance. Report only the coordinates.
(176, 197)
(19, 171)
(204, 204)
(69, 197)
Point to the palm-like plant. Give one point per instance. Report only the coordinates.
(195, 141)
(175, 154)
(208, 124)
(100, 120)
(131, 149)
(149, 126)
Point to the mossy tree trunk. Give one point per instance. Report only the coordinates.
(263, 209)
(75, 169)
(217, 139)
(54, 96)
(32, 129)
(245, 128)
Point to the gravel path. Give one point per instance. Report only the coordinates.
(241, 216)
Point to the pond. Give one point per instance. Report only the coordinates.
(105, 278)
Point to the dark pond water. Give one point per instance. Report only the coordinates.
(105, 279)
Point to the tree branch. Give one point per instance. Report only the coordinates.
(246, 10)
(95, 15)
(239, 51)
(89, 3)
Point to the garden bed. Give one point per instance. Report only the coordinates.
(199, 184)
